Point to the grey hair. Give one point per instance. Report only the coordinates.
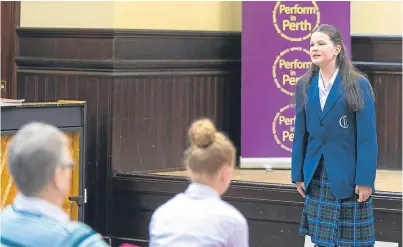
(34, 153)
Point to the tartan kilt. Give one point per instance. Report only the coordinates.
(332, 222)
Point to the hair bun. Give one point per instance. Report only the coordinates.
(202, 133)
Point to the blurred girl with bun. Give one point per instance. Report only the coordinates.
(198, 216)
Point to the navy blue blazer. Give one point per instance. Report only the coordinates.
(347, 140)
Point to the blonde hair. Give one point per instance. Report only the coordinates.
(209, 149)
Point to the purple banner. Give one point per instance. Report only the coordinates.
(275, 53)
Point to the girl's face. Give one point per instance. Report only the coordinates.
(322, 50)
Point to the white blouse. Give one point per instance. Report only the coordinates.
(198, 218)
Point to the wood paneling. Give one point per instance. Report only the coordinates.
(377, 49)
(96, 90)
(150, 128)
(388, 91)
(10, 18)
(74, 45)
(380, 57)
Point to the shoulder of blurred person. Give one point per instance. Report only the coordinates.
(19, 229)
(81, 235)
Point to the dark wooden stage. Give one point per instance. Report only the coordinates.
(385, 180)
(273, 210)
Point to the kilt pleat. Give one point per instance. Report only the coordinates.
(331, 222)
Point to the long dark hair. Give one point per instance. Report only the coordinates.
(350, 75)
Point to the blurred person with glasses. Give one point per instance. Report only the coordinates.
(41, 165)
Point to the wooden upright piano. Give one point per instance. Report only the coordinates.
(68, 116)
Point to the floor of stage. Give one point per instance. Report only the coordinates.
(385, 180)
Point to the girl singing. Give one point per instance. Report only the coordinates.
(334, 155)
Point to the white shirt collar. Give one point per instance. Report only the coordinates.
(201, 190)
(39, 206)
(330, 84)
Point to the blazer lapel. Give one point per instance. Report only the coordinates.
(334, 94)
(314, 90)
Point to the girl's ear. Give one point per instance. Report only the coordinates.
(226, 173)
(338, 50)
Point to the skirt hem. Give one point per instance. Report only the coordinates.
(316, 242)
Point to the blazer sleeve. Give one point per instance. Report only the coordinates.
(300, 138)
(367, 143)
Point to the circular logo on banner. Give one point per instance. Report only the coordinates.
(288, 67)
(296, 21)
(283, 127)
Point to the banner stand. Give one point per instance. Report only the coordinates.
(275, 54)
(265, 163)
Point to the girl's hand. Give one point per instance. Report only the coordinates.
(301, 188)
(363, 192)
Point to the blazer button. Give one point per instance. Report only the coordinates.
(323, 142)
(321, 123)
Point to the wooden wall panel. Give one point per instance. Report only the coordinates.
(377, 49)
(42, 85)
(380, 57)
(388, 90)
(163, 81)
(10, 18)
(153, 113)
